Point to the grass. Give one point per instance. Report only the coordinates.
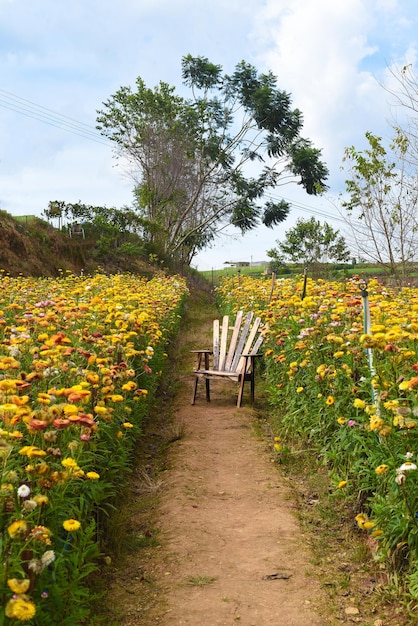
(363, 269)
(201, 581)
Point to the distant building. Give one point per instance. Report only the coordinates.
(237, 263)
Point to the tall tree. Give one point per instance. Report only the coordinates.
(382, 207)
(206, 161)
(311, 243)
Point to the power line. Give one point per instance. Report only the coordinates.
(309, 209)
(48, 116)
(42, 114)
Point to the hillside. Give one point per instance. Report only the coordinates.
(32, 247)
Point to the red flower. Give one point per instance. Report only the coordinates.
(36, 424)
(61, 422)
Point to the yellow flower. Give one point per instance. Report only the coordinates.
(342, 484)
(21, 608)
(100, 410)
(129, 386)
(299, 390)
(40, 499)
(330, 401)
(70, 463)
(116, 397)
(92, 377)
(18, 585)
(376, 423)
(71, 525)
(361, 519)
(385, 430)
(93, 475)
(382, 469)
(277, 447)
(31, 451)
(359, 404)
(127, 425)
(17, 529)
(69, 409)
(341, 420)
(368, 525)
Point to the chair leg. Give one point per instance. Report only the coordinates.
(252, 379)
(207, 377)
(207, 382)
(241, 390)
(196, 381)
(252, 382)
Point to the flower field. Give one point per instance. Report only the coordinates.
(342, 371)
(79, 358)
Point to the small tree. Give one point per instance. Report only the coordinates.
(311, 244)
(382, 209)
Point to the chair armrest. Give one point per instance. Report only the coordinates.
(202, 351)
(202, 355)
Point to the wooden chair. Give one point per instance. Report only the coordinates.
(76, 229)
(235, 349)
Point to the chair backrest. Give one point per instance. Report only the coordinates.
(231, 342)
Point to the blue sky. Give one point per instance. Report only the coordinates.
(59, 61)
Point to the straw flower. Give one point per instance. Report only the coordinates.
(71, 525)
(23, 491)
(18, 585)
(17, 529)
(20, 608)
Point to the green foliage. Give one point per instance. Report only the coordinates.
(311, 242)
(382, 203)
(190, 155)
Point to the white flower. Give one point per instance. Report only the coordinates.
(400, 479)
(407, 467)
(14, 351)
(48, 557)
(28, 506)
(409, 455)
(38, 565)
(23, 491)
(35, 565)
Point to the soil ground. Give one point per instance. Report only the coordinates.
(209, 533)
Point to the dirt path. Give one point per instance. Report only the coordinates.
(235, 553)
(229, 545)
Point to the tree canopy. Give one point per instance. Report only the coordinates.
(382, 204)
(202, 162)
(311, 242)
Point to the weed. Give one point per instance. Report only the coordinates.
(176, 431)
(201, 581)
(149, 484)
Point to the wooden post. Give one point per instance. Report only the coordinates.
(305, 280)
(273, 276)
